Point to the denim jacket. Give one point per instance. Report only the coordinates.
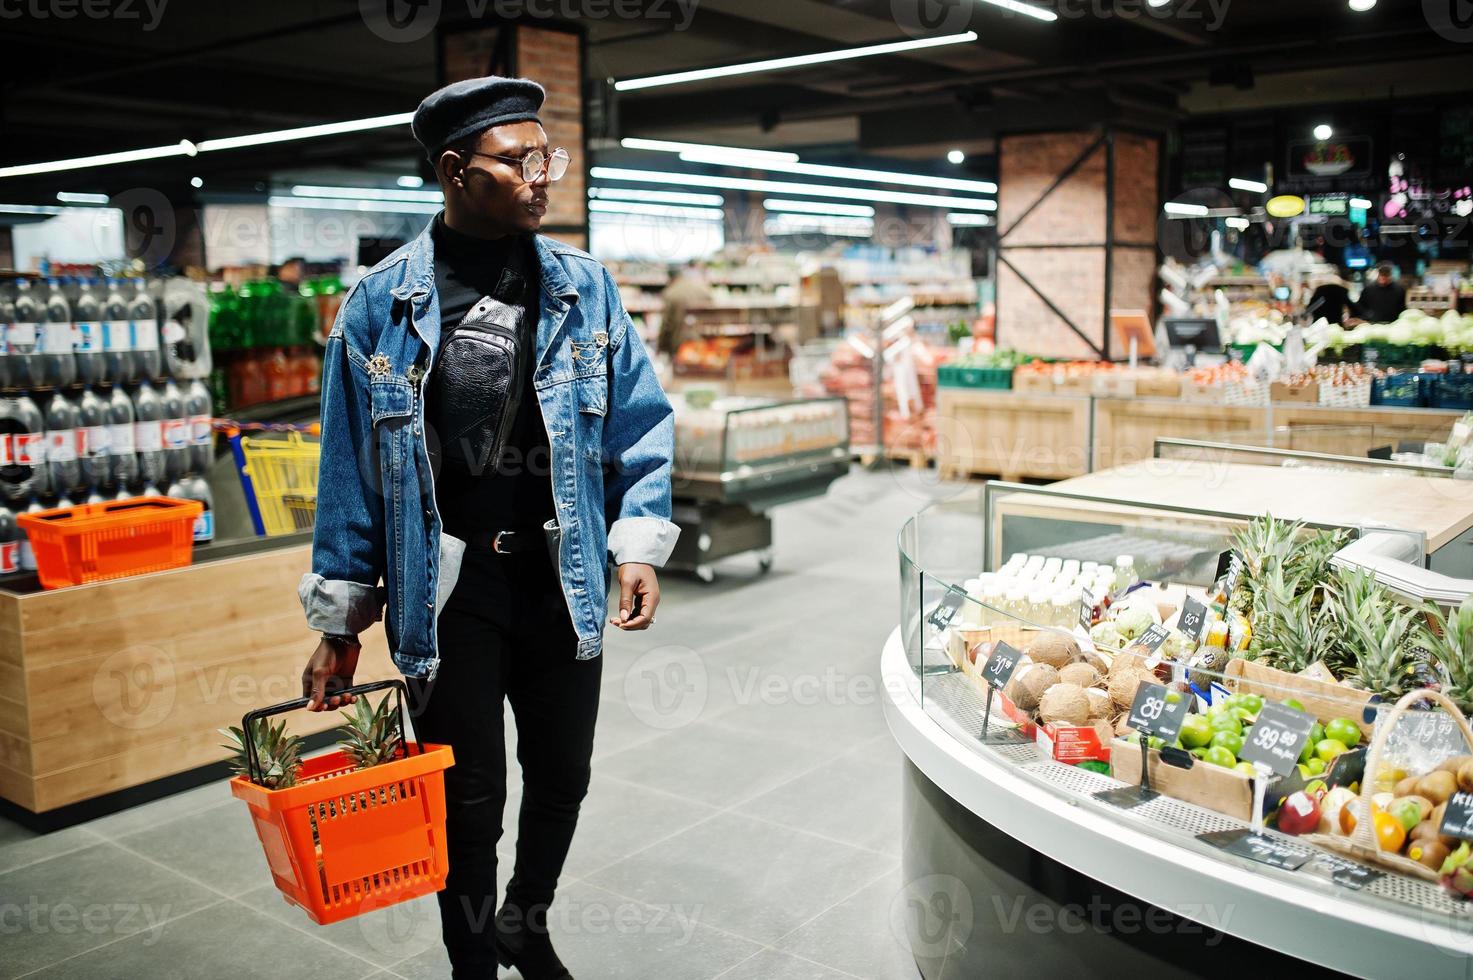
(609, 425)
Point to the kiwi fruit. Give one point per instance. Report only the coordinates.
(1407, 787)
(1426, 830)
(1429, 853)
(1454, 763)
(1078, 673)
(1437, 786)
(1465, 777)
(1028, 684)
(1065, 703)
(1422, 802)
(1054, 649)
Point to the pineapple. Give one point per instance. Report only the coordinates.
(278, 754)
(371, 736)
(1450, 643)
(1381, 651)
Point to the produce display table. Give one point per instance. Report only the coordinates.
(112, 693)
(1013, 868)
(1045, 436)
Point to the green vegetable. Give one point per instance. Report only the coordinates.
(1094, 765)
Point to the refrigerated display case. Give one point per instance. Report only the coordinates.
(736, 459)
(1117, 890)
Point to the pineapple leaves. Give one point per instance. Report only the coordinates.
(278, 754)
(371, 734)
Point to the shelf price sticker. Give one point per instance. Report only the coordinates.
(1193, 619)
(1434, 731)
(1277, 738)
(1457, 817)
(1086, 609)
(998, 669)
(1343, 872)
(1262, 848)
(1158, 711)
(1150, 642)
(946, 609)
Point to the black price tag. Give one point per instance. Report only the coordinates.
(1435, 731)
(1457, 818)
(1233, 573)
(1157, 711)
(1152, 638)
(1343, 872)
(1277, 738)
(945, 610)
(1193, 619)
(1224, 560)
(1258, 847)
(1086, 609)
(1000, 665)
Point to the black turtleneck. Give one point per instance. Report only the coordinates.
(516, 494)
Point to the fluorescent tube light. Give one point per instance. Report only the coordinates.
(306, 132)
(766, 160)
(798, 224)
(1243, 184)
(410, 180)
(655, 210)
(789, 187)
(1027, 9)
(341, 204)
(1239, 223)
(1185, 210)
(30, 209)
(72, 197)
(819, 207)
(658, 197)
(367, 193)
(1360, 202)
(183, 148)
(672, 146)
(964, 219)
(797, 61)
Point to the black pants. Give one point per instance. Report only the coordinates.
(505, 633)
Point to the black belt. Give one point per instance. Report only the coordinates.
(510, 542)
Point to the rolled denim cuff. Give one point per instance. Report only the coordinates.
(643, 540)
(339, 607)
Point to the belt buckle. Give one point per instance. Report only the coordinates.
(496, 542)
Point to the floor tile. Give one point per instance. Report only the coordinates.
(218, 847)
(772, 965)
(754, 879)
(863, 935)
(618, 819)
(161, 811)
(848, 799)
(24, 847)
(383, 936)
(224, 940)
(80, 901)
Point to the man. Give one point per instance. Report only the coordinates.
(1383, 300)
(687, 288)
(1330, 300)
(493, 568)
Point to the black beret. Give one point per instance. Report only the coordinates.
(468, 107)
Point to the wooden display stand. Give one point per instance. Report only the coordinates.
(109, 686)
(1011, 434)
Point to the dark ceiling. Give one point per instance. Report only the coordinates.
(203, 68)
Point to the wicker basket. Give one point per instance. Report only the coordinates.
(1362, 844)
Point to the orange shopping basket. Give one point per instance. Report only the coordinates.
(93, 542)
(345, 840)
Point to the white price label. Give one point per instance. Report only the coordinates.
(117, 335)
(176, 433)
(148, 436)
(57, 338)
(93, 440)
(61, 445)
(145, 335)
(21, 335)
(200, 429)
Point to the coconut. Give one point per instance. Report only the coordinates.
(1126, 663)
(1096, 661)
(1028, 684)
(1122, 725)
(1054, 649)
(1100, 705)
(1065, 703)
(1124, 684)
(1082, 674)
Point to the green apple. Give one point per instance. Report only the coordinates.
(1200, 751)
(1219, 756)
(1327, 749)
(1196, 731)
(1226, 722)
(1317, 732)
(1308, 752)
(1294, 703)
(1253, 702)
(1233, 743)
(1315, 765)
(1247, 768)
(1344, 731)
(1155, 742)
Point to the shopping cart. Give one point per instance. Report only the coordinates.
(278, 472)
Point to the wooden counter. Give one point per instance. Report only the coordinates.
(1011, 434)
(108, 686)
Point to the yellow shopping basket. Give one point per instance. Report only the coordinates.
(279, 476)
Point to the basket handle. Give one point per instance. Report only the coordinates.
(248, 721)
(1365, 833)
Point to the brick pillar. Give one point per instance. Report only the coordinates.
(554, 59)
(1055, 253)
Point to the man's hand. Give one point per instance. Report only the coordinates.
(639, 581)
(330, 669)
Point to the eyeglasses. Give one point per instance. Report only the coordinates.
(532, 164)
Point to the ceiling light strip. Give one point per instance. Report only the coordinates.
(342, 204)
(368, 193)
(655, 210)
(820, 207)
(658, 197)
(789, 187)
(673, 146)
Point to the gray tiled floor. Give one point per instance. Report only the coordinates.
(744, 820)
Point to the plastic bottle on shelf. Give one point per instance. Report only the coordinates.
(61, 443)
(25, 557)
(1040, 605)
(10, 536)
(87, 336)
(92, 439)
(148, 433)
(122, 440)
(177, 453)
(1065, 603)
(24, 471)
(58, 355)
(149, 489)
(125, 492)
(148, 357)
(23, 337)
(117, 336)
(7, 316)
(197, 488)
(201, 434)
(1124, 573)
(1015, 600)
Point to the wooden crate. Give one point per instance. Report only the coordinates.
(107, 686)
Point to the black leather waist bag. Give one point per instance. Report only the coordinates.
(480, 373)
